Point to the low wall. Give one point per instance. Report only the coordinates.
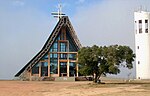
(65, 79)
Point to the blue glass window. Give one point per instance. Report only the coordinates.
(72, 68)
(63, 67)
(72, 47)
(53, 55)
(35, 69)
(53, 66)
(63, 56)
(72, 56)
(54, 47)
(45, 57)
(44, 68)
(63, 47)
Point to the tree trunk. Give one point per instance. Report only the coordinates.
(95, 78)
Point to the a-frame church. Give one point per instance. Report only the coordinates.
(58, 57)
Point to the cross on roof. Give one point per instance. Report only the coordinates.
(58, 14)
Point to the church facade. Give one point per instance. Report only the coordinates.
(58, 57)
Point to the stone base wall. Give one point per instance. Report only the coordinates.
(65, 79)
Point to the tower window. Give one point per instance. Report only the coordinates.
(140, 21)
(135, 26)
(137, 47)
(146, 21)
(140, 26)
(138, 62)
(146, 26)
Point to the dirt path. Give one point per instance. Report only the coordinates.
(45, 88)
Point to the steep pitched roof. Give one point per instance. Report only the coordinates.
(64, 21)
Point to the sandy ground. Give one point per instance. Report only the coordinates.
(48, 88)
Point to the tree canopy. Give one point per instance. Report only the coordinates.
(97, 60)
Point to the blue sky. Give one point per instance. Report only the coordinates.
(26, 24)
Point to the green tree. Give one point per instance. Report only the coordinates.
(97, 60)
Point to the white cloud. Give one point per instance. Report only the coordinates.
(18, 3)
(80, 1)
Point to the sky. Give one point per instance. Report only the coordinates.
(25, 25)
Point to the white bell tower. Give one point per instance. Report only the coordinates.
(142, 44)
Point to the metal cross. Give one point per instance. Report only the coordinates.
(58, 14)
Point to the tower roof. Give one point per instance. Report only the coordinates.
(64, 21)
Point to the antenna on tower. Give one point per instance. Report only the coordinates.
(58, 14)
(140, 8)
(146, 9)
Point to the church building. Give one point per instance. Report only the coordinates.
(58, 57)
